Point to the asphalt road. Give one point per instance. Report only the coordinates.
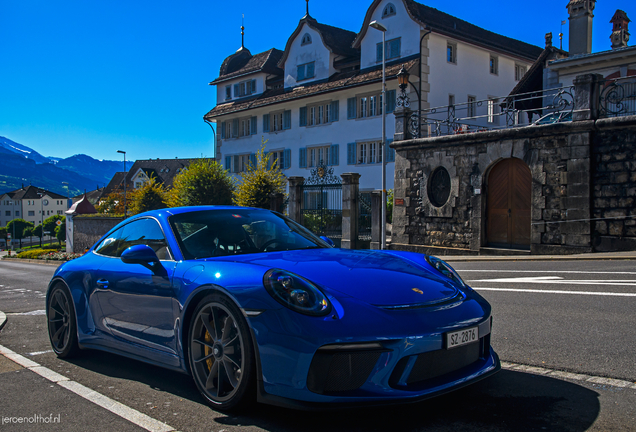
(582, 333)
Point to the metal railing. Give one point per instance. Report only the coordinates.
(490, 114)
(617, 97)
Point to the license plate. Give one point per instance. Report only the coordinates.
(461, 337)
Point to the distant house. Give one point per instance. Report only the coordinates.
(93, 196)
(32, 204)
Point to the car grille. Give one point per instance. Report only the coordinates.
(437, 365)
(333, 371)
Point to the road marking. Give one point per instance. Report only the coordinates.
(39, 352)
(609, 294)
(568, 375)
(558, 280)
(130, 414)
(548, 271)
(35, 312)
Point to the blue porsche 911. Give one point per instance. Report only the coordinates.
(256, 307)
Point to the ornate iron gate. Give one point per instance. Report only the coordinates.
(364, 220)
(322, 203)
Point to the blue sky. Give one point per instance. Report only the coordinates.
(97, 76)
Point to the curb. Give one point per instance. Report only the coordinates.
(450, 258)
(34, 261)
(3, 319)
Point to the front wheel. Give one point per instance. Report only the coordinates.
(60, 313)
(221, 355)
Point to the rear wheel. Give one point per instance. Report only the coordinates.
(60, 312)
(221, 355)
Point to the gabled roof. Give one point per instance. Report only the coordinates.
(31, 192)
(443, 23)
(115, 183)
(338, 41)
(83, 206)
(243, 63)
(336, 82)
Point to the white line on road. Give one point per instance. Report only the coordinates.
(130, 414)
(538, 291)
(39, 352)
(558, 280)
(35, 312)
(568, 375)
(548, 271)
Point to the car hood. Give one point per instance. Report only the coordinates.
(378, 278)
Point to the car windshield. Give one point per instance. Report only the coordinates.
(211, 233)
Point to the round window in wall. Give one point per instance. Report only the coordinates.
(439, 187)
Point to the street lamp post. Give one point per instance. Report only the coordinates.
(125, 208)
(376, 25)
(41, 195)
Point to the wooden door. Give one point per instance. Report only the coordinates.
(509, 204)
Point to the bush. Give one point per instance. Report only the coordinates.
(204, 182)
(150, 196)
(259, 182)
(35, 253)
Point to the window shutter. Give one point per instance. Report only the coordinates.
(253, 160)
(236, 164)
(378, 52)
(222, 130)
(351, 108)
(300, 73)
(228, 163)
(253, 126)
(236, 90)
(303, 116)
(266, 123)
(334, 156)
(302, 158)
(287, 158)
(235, 128)
(334, 111)
(390, 153)
(351, 154)
(310, 70)
(287, 119)
(390, 101)
(253, 82)
(395, 48)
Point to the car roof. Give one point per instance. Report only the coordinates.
(188, 209)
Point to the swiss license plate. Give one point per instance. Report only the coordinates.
(461, 337)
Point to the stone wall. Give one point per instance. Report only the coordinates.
(614, 179)
(88, 229)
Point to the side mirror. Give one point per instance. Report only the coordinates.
(141, 254)
(328, 241)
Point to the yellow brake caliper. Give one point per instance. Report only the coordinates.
(208, 350)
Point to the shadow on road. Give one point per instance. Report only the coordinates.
(507, 401)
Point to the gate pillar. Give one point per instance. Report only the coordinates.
(376, 219)
(350, 189)
(295, 195)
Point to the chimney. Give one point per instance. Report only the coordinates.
(620, 35)
(548, 40)
(581, 16)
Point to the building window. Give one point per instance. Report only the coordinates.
(17, 213)
(389, 10)
(494, 65)
(492, 110)
(245, 88)
(317, 156)
(391, 50)
(31, 212)
(472, 103)
(228, 92)
(59, 212)
(280, 157)
(370, 105)
(520, 71)
(305, 71)
(7, 213)
(277, 121)
(368, 152)
(306, 39)
(239, 163)
(451, 53)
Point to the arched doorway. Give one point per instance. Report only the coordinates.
(509, 204)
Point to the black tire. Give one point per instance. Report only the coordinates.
(62, 323)
(221, 354)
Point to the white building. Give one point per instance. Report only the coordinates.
(319, 99)
(31, 204)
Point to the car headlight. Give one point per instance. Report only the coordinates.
(296, 293)
(445, 269)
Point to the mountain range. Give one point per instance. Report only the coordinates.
(21, 166)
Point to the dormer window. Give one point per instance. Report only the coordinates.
(306, 40)
(389, 10)
(245, 88)
(305, 71)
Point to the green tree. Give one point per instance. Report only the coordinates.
(259, 182)
(38, 232)
(113, 203)
(60, 232)
(18, 226)
(50, 223)
(204, 182)
(3, 233)
(150, 196)
(389, 206)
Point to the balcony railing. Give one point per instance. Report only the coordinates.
(617, 97)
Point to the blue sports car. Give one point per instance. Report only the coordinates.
(255, 306)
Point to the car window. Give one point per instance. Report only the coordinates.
(147, 232)
(111, 245)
